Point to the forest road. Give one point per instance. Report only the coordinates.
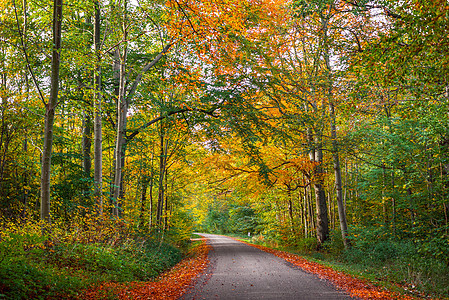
(239, 271)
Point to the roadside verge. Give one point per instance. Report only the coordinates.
(170, 285)
(355, 287)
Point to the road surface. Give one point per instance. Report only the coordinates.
(239, 271)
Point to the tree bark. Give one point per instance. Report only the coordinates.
(150, 224)
(166, 209)
(143, 200)
(162, 165)
(335, 149)
(50, 113)
(122, 111)
(316, 156)
(87, 143)
(338, 181)
(98, 135)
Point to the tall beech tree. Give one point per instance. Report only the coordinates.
(98, 132)
(50, 107)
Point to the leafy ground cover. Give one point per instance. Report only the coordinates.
(62, 263)
(170, 285)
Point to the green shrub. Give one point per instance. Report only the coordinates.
(334, 245)
(307, 244)
(64, 263)
(405, 261)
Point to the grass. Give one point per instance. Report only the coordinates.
(241, 237)
(196, 236)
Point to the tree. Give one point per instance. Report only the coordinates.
(98, 149)
(50, 107)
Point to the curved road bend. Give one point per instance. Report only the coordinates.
(239, 271)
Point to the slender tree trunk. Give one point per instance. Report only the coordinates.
(25, 141)
(345, 185)
(338, 181)
(384, 185)
(166, 197)
(335, 150)
(120, 143)
(116, 73)
(143, 200)
(393, 204)
(50, 113)
(290, 212)
(25, 180)
(306, 212)
(150, 222)
(162, 165)
(98, 135)
(122, 177)
(311, 213)
(3, 142)
(87, 143)
(122, 111)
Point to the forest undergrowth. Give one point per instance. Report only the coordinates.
(63, 261)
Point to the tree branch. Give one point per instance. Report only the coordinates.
(146, 68)
(173, 112)
(41, 96)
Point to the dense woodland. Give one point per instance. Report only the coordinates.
(315, 124)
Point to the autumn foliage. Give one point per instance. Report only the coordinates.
(314, 124)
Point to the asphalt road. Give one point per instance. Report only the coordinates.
(239, 271)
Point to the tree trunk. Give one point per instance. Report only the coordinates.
(98, 135)
(335, 150)
(393, 205)
(120, 137)
(290, 212)
(87, 143)
(322, 226)
(316, 157)
(162, 162)
(384, 187)
(25, 181)
(322, 223)
(166, 197)
(143, 200)
(50, 113)
(338, 181)
(122, 111)
(150, 221)
(306, 213)
(150, 224)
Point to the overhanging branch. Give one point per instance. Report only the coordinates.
(170, 113)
